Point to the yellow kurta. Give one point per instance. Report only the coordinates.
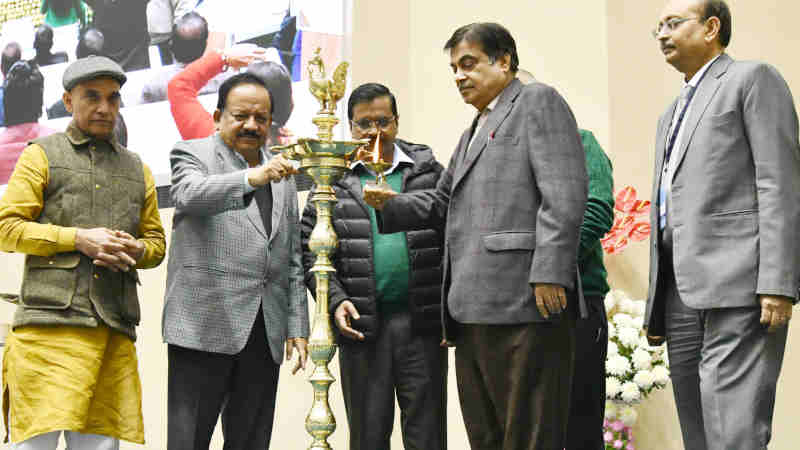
(65, 377)
(72, 378)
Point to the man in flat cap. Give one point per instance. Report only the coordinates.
(83, 209)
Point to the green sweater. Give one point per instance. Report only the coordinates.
(389, 256)
(598, 218)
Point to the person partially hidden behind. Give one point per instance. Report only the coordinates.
(22, 103)
(43, 43)
(385, 295)
(83, 209)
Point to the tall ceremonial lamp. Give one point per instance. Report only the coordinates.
(325, 161)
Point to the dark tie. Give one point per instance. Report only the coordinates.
(263, 198)
(683, 104)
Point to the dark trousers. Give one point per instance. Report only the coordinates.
(398, 362)
(588, 398)
(241, 386)
(514, 383)
(724, 368)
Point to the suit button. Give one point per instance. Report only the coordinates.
(96, 276)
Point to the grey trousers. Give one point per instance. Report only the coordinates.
(398, 362)
(724, 368)
(74, 441)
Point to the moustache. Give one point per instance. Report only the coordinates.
(249, 134)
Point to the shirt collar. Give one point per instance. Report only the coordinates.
(399, 157)
(493, 103)
(76, 136)
(699, 75)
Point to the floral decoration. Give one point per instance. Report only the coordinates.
(631, 222)
(634, 368)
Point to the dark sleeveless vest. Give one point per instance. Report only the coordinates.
(92, 184)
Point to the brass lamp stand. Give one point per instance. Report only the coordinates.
(325, 161)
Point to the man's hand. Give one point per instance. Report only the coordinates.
(105, 248)
(276, 169)
(342, 316)
(550, 298)
(242, 55)
(377, 196)
(301, 344)
(133, 247)
(655, 341)
(776, 311)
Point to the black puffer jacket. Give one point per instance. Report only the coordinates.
(354, 278)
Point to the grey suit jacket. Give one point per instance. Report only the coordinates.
(222, 265)
(735, 204)
(513, 207)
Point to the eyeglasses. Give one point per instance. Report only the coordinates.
(671, 25)
(366, 124)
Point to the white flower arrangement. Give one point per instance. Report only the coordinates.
(634, 368)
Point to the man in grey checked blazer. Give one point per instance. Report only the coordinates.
(235, 289)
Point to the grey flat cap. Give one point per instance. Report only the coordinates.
(90, 68)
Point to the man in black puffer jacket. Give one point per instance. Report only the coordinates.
(386, 293)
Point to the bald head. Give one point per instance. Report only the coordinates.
(11, 54)
(91, 43)
(189, 37)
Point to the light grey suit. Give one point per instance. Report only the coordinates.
(513, 203)
(733, 215)
(222, 265)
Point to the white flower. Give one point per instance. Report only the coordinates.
(617, 365)
(641, 359)
(641, 307)
(628, 415)
(611, 408)
(630, 392)
(629, 337)
(612, 349)
(644, 379)
(610, 302)
(622, 319)
(660, 375)
(638, 322)
(613, 299)
(612, 330)
(613, 388)
(627, 306)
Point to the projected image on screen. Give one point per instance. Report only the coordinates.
(175, 53)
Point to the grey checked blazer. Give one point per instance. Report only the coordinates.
(735, 204)
(222, 265)
(513, 207)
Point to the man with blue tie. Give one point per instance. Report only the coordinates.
(724, 262)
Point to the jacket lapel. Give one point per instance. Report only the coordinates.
(705, 93)
(228, 161)
(493, 122)
(352, 184)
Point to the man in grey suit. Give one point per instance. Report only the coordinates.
(724, 263)
(513, 199)
(235, 289)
